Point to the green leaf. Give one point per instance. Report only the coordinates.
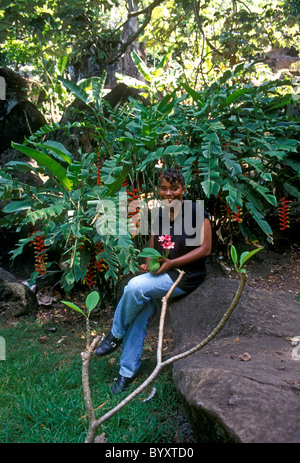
(20, 246)
(247, 255)
(266, 194)
(46, 161)
(141, 66)
(75, 89)
(231, 163)
(98, 85)
(259, 218)
(58, 149)
(17, 206)
(292, 190)
(132, 82)
(20, 166)
(243, 258)
(235, 95)
(283, 102)
(176, 149)
(210, 187)
(233, 255)
(164, 106)
(197, 97)
(74, 307)
(211, 145)
(149, 252)
(91, 301)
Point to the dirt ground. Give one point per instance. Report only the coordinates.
(276, 272)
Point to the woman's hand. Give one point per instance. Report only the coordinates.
(166, 266)
(143, 268)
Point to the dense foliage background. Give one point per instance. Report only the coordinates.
(207, 100)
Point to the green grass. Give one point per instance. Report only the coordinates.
(41, 397)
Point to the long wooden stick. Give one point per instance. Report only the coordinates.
(86, 356)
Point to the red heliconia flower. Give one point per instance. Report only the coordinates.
(237, 215)
(90, 276)
(40, 254)
(284, 210)
(100, 264)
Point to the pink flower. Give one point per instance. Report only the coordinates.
(163, 238)
(168, 245)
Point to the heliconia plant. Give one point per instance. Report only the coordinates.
(231, 140)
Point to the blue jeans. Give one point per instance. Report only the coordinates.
(141, 298)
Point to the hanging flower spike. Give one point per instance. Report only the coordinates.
(40, 254)
(284, 209)
(134, 194)
(226, 210)
(237, 215)
(100, 264)
(90, 277)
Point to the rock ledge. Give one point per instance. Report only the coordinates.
(244, 386)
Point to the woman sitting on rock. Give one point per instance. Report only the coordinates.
(143, 293)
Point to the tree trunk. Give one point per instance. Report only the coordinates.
(126, 65)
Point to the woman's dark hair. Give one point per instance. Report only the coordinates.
(173, 176)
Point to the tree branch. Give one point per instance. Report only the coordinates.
(93, 423)
(148, 13)
(146, 10)
(196, 7)
(243, 279)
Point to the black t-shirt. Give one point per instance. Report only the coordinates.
(185, 233)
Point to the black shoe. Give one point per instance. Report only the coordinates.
(120, 383)
(108, 345)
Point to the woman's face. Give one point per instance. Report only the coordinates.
(171, 191)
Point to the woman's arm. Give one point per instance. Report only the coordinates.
(199, 253)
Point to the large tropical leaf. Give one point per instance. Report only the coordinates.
(77, 91)
(46, 161)
(57, 149)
